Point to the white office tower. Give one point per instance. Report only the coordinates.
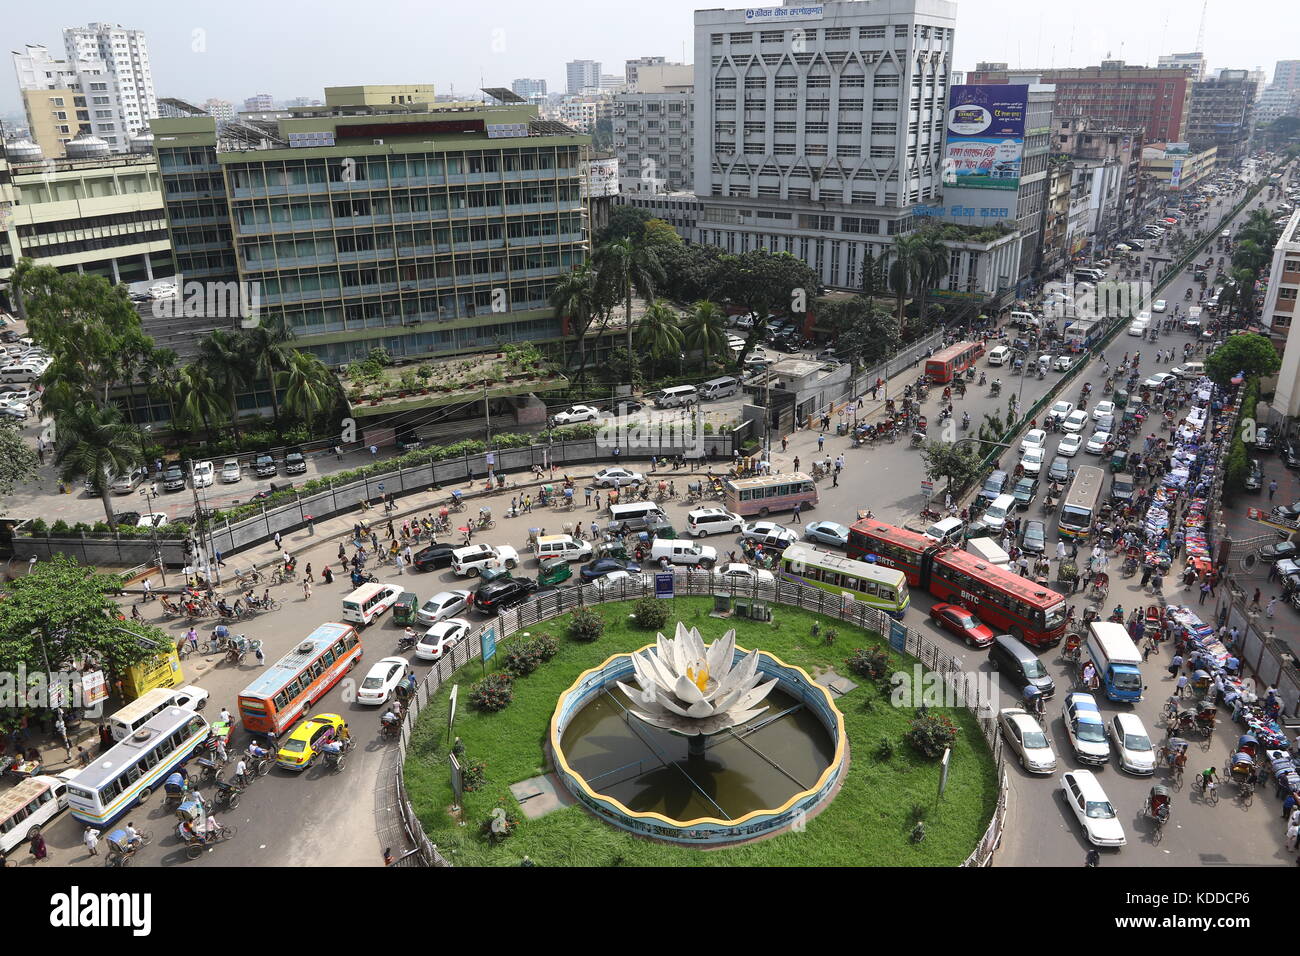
(807, 111)
(125, 53)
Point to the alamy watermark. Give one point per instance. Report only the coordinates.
(975, 690)
(1113, 298)
(217, 300)
(680, 430)
(41, 690)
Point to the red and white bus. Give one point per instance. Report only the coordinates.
(285, 692)
(1012, 604)
(952, 361)
(761, 496)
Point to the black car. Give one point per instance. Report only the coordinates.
(1033, 537)
(294, 462)
(1276, 552)
(9, 336)
(173, 478)
(264, 465)
(1025, 491)
(128, 518)
(1264, 440)
(1122, 488)
(498, 596)
(433, 556)
(994, 485)
(407, 441)
(786, 343)
(1255, 477)
(627, 407)
(1289, 452)
(1059, 470)
(603, 566)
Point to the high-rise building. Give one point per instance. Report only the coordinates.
(1279, 315)
(1113, 94)
(223, 111)
(528, 88)
(125, 53)
(1286, 74)
(65, 99)
(1221, 115)
(259, 103)
(654, 131)
(582, 75)
(818, 129)
(631, 67)
(1276, 102)
(1193, 63)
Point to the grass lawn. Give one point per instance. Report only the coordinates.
(868, 823)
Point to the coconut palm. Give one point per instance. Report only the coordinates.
(932, 268)
(226, 359)
(574, 298)
(268, 345)
(658, 333)
(704, 331)
(905, 270)
(623, 266)
(202, 401)
(159, 375)
(94, 442)
(309, 387)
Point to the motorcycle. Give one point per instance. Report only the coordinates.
(965, 422)
(408, 640)
(996, 388)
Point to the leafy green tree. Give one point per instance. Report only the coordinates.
(764, 283)
(267, 343)
(576, 300)
(658, 333)
(659, 235)
(691, 272)
(17, 460)
(958, 464)
(1251, 355)
(864, 332)
(875, 276)
(905, 272)
(931, 269)
(625, 266)
(201, 400)
(94, 442)
(625, 222)
(309, 387)
(225, 357)
(704, 331)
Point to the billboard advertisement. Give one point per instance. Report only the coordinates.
(986, 136)
(783, 14)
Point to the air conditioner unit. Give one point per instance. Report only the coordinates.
(376, 142)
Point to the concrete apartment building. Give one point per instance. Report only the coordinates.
(1286, 74)
(223, 111)
(529, 89)
(1115, 156)
(581, 75)
(1222, 115)
(385, 220)
(259, 103)
(1115, 94)
(1274, 103)
(1279, 314)
(1174, 168)
(820, 129)
(1193, 63)
(65, 100)
(654, 131)
(631, 68)
(102, 216)
(125, 53)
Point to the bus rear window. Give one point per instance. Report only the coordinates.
(252, 706)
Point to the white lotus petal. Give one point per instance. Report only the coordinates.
(721, 653)
(686, 691)
(701, 708)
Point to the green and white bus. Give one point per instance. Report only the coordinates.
(873, 584)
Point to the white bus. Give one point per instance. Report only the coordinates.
(369, 601)
(133, 716)
(29, 806)
(126, 775)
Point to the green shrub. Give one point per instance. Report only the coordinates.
(885, 749)
(547, 646)
(501, 823)
(522, 658)
(869, 662)
(60, 528)
(586, 625)
(931, 734)
(38, 528)
(650, 613)
(493, 693)
(473, 776)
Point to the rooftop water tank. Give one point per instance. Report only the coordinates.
(86, 146)
(142, 142)
(23, 151)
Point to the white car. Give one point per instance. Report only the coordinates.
(1034, 438)
(155, 520)
(1138, 328)
(743, 575)
(1069, 445)
(1161, 380)
(618, 578)
(1027, 739)
(163, 290)
(203, 472)
(1032, 461)
(17, 394)
(441, 638)
(12, 409)
(1160, 306)
(1063, 363)
(469, 561)
(1102, 409)
(1085, 728)
(442, 605)
(1097, 443)
(607, 477)
(1132, 744)
(1075, 421)
(378, 684)
(230, 470)
(735, 342)
(1060, 410)
(745, 321)
(576, 414)
(769, 533)
(704, 521)
(1096, 815)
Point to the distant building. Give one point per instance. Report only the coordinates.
(1286, 74)
(654, 130)
(260, 103)
(1276, 102)
(582, 75)
(631, 67)
(528, 88)
(125, 53)
(1279, 314)
(1221, 115)
(1174, 167)
(223, 111)
(1193, 63)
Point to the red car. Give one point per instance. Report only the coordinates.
(963, 623)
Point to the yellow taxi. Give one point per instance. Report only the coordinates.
(302, 747)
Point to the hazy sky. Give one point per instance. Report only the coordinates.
(234, 48)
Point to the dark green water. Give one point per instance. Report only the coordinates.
(648, 770)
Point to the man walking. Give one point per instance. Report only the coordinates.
(1272, 489)
(794, 517)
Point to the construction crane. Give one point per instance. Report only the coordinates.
(1200, 33)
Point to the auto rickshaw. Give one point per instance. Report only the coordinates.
(1118, 460)
(1120, 398)
(609, 549)
(553, 571)
(405, 607)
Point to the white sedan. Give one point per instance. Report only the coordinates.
(1060, 410)
(768, 533)
(1161, 380)
(441, 638)
(378, 684)
(230, 470)
(1032, 461)
(1091, 807)
(1160, 306)
(1027, 739)
(743, 575)
(13, 409)
(608, 477)
(1102, 409)
(1069, 445)
(1132, 744)
(203, 472)
(1034, 438)
(1075, 421)
(577, 414)
(1097, 443)
(1063, 363)
(442, 606)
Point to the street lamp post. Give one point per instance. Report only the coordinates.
(150, 492)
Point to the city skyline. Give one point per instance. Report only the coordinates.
(200, 55)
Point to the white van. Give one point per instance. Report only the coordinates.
(677, 396)
(986, 549)
(562, 546)
(635, 515)
(947, 531)
(29, 806)
(682, 551)
(1089, 275)
(718, 388)
(1026, 320)
(999, 355)
(152, 703)
(995, 515)
(369, 601)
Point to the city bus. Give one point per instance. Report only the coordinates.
(126, 775)
(1003, 600)
(1079, 509)
(27, 807)
(943, 367)
(882, 588)
(760, 496)
(286, 691)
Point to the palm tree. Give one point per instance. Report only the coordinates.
(225, 357)
(201, 398)
(574, 298)
(658, 332)
(268, 346)
(704, 331)
(624, 265)
(933, 266)
(159, 376)
(95, 443)
(904, 271)
(310, 388)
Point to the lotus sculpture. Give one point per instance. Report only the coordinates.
(693, 689)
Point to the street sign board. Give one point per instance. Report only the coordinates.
(663, 585)
(927, 488)
(489, 638)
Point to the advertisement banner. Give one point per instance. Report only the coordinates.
(986, 136)
(1176, 174)
(783, 14)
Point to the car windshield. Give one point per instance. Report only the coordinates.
(1136, 742)
(1055, 616)
(1035, 739)
(1033, 668)
(1128, 681)
(1090, 732)
(295, 746)
(372, 683)
(1099, 810)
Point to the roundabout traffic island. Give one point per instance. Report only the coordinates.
(726, 737)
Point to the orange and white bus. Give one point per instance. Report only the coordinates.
(952, 361)
(287, 690)
(761, 496)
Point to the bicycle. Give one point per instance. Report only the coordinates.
(249, 578)
(1207, 787)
